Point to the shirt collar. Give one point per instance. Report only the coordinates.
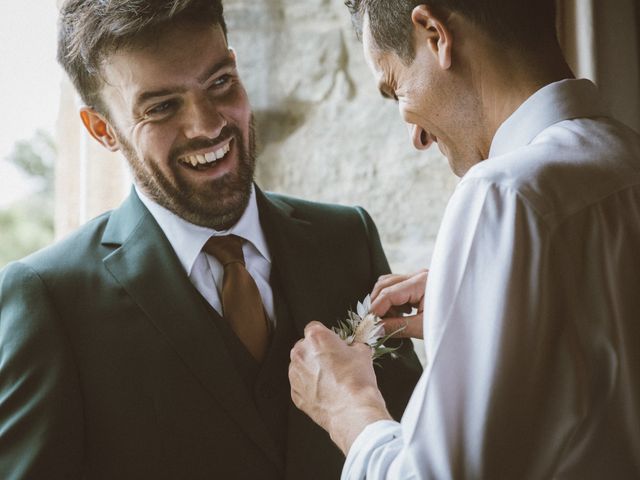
(188, 239)
(558, 101)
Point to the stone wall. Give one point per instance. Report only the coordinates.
(324, 131)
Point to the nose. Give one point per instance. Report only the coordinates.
(420, 137)
(203, 119)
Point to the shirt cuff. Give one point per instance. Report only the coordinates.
(372, 437)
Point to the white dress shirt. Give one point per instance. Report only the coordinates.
(204, 270)
(532, 310)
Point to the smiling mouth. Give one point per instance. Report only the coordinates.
(206, 160)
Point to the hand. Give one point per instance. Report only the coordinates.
(335, 384)
(394, 295)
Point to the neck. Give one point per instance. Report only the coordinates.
(509, 80)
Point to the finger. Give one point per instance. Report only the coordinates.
(362, 348)
(405, 327)
(399, 310)
(385, 276)
(295, 394)
(410, 291)
(296, 350)
(293, 374)
(311, 326)
(386, 281)
(398, 295)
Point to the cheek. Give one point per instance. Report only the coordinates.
(154, 142)
(411, 114)
(237, 108)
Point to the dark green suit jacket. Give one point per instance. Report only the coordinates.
(113, 367)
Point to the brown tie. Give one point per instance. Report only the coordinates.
(241, 301)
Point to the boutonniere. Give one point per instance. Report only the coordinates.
(365, 327)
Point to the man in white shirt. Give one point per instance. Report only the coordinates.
(154, 342)
(531, 315)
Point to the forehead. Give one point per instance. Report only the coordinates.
(172, 55)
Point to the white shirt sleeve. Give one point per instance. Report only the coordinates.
(500, 396)
(378, 442)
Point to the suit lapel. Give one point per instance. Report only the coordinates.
(148, 269)
(296, 257)
(294, 250)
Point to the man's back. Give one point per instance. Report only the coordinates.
(568, 207)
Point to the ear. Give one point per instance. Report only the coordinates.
(434, 31)
(99, 128)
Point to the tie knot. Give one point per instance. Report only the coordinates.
(227, 249)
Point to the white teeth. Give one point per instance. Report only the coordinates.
(210, 157)
(221, 152)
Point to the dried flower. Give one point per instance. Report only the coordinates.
(363, 326)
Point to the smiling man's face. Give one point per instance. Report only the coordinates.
(181, 116)
(437, 105)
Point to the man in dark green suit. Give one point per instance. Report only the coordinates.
(116, 361)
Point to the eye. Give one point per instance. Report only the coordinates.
(161, 108)
(389, 94)
(221, 81)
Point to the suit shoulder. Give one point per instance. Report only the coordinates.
(330, 219)
(311, 210)
(77, 249)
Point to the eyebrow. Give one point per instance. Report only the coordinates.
(228, 62)
(148, 95)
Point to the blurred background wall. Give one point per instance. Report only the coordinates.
(324, 131)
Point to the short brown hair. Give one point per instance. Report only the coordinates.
(514, 22)
(90, 30)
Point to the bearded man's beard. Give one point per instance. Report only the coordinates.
(221, 204)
